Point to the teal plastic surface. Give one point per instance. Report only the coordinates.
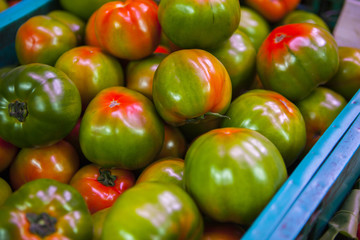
(271, 220)
(12, 18)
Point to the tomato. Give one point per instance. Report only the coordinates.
(81, 8)
(199, 24)
(98, 219)
(8, 152)
(42, 39)
(174, 143)
(296, 58)
(90, 35)
(45, 209)
(273, 10)
(273, 116)
(193, 130)
(319, 110)
(167, 170)
(162, 49)
(153, 210)
(5, 191)
(39, 105)
(76, 24)
(100, 187)
(59, 162)
(188, 84)
(300, 16)
(3, 5)
(254, 25)
(92, 70)
(232, 173)
(223, 231)
(239, 57)
(140, 74)
(129, 30)
(120, 128)
(347, 79)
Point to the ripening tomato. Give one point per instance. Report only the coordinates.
(301, 16)
(100, 187)
(189, 84)
(120, 128)
(42, 39)
(296, 58)
(232, 173)
(129, 30)
(273, 10)
(8, 152)
(81, 8)
(90, 35)
(174, 143)
(59, 161)
(199, 24)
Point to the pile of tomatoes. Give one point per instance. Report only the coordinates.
(171, 119)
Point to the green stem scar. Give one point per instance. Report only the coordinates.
(18, 110)
(41, 224)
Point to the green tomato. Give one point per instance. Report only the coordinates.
(300, 16)
(5, 191)
(39, 105)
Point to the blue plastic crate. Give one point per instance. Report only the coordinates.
(12, 18)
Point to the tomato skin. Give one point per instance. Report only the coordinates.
(319, 110)
(50, 198)
(199, 24)
(300, 16)
(174, 143)
(98, 219)
(167, 170)
(296, 58)
(140, 74)
(76, 24)
(8, 152)
(273, 10)
(90, 35)
(97, 194)
(188, 84)
(164, 211)
(92, 70)
(223, 231)
(273, 116)
(42, 39)
(254, 26)
(59, 162)
(239, 57)
(347, 79)
(5, 191)
(82, 9)
(133, 23)
(44, 105)
(116, 124)
(238, 169)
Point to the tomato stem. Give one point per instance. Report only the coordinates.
(41, 224)
(106, 178)
(18, 110)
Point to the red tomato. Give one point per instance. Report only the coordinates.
(58, 161)
(90, 36)
(7, 154)
(100, 187)
(273, 10)
(128, 30)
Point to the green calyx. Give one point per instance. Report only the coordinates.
(41, 224)
(18, 110)
(106, 178)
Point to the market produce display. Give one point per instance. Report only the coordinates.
(171, 119)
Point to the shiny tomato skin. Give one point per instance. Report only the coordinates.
(59, 161)
(347, 79)
(153, 210)
(129, 30)
(174, 145)
(273, 10)
(273, 116)
(42, 39)
(91, 69)
(99, 193)
(167, 170)
(296, 58)
(82, 9)
(239, 57)
(120, 128)
(140, 73)
(8, 152)
(199, 23)
(301, 16)
(5, 191)
(188, 84)
(254, 25)
(90, 35)
(98, 219)
(319, 110)
(232, 173)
